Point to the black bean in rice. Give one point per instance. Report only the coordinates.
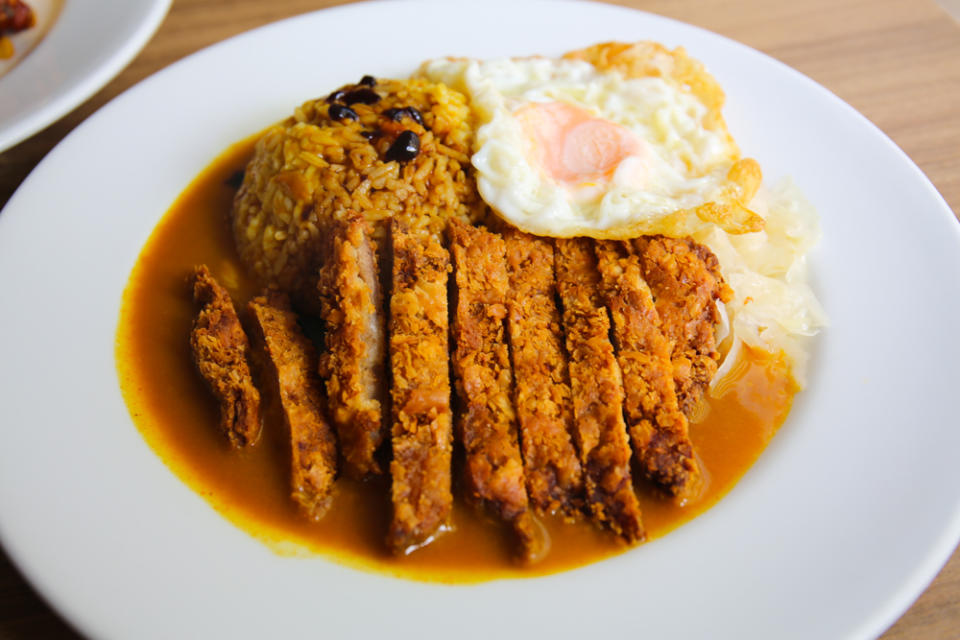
(321, 163)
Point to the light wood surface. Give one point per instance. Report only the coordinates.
(896, 61)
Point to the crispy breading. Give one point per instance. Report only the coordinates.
(486, 422)
(658, 429)
(221, 352)
(354, 362)
(685, 280)
(597, 392)
(542, 387)
(422, 432)
(293, 359)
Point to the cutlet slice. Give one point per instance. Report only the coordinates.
(486, 422)
(422, 432)
(354, 362)
(685, 280)
(542, 387)
(597, 392)
(313, 445)
(658, 429)
(221, 352)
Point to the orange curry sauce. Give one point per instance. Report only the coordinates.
(172, 408)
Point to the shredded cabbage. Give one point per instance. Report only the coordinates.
(773, 308)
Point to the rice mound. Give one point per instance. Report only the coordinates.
(312, 169)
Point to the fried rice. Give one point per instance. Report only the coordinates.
(351, 151)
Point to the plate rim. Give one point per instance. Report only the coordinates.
(935, 558)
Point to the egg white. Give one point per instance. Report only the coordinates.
(683, 164)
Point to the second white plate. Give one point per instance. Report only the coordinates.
(89, 43)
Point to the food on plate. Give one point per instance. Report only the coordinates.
(613, 141)
(221, 352)
(422, 432)
(513, 315)
(354, 360)
(541, 387)
(684, 279)
(23, 25)
(15, 16)
(486, 421)
(597, 387)
(293, 364)
(380, 148)
(657, 427)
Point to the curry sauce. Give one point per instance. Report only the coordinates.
(177, 416)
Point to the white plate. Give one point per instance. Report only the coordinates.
(89, 43)
(838, 527)
(45, 14)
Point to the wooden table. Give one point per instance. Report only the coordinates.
(896, 61)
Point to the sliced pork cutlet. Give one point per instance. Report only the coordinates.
(486, 422)
(422, 433)
(685, 280)
(313, 445)
(221, 352)
(542, 388)
(597, 390)
(658, 429)
(353, 364)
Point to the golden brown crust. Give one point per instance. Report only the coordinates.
(685, 280)
(486, 423)
(542, 393)
(221, 352)
(354, 362)
(313, 446)
(422, 432)
(597, 392)
(658, 429)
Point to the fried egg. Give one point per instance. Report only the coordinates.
(613, 141)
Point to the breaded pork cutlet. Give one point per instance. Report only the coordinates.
(313, 445)
(657, 427)
(486, 423)
(542, 387)
(597, 392)
(422, 433)
(685, 280)
(354, 362)
(221, 352)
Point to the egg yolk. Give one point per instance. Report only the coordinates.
(571, 145)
